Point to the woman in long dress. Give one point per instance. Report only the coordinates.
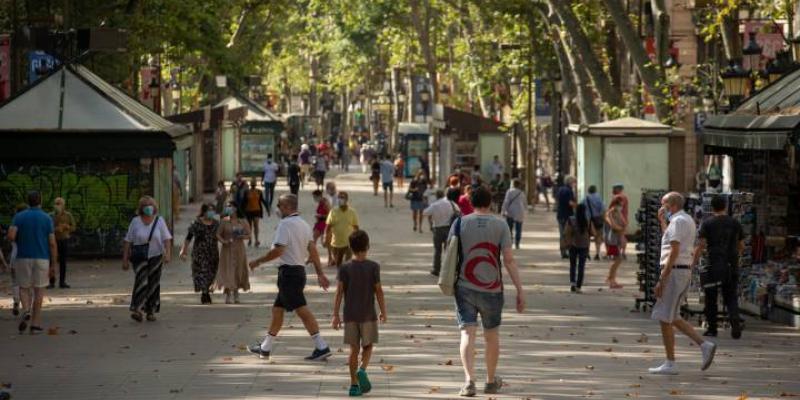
(233, 274)
(205, 254)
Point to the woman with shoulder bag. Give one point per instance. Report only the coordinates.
(147, 246)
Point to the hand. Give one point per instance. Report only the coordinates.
(167, 258)
(658, 290)
(336, 323)
(520, 302)
(182, 255)
(254, 264)
(383, 318)
(125, 265)
(323, 281)
(662, 214)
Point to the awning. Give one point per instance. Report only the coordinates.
(749, 132)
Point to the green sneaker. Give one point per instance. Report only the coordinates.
(363, 381)
(355, 391)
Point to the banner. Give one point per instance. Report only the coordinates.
(5, 67)
(39, 64)
(768, 36)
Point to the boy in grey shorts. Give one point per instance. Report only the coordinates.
(359, 285)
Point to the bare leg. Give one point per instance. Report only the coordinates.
(308, 320)
(385, 198)
(25, 296)
(366, 354)
(492, 338)
(612, 271)
(353, 363)
(688, 330)
(668, 336)
(468, 352)
(277, 320)
(414, 219)
(255, 230)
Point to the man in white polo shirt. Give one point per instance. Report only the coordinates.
(677, 244)
(293, 246)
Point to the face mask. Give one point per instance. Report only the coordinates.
(58, 208)
(210, 214)
(149, 210)
(228, 211)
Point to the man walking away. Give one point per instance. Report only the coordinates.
(442, 211)
(565, 202)
(32, 231)
(479, 288)
(270, 177)
(723, 238)
(359, 286)
(64, 225)
(515, 205)
(676, 275)
(293, 176)
(293, 246)
(387, 178)
(342, 221)
(595, 210)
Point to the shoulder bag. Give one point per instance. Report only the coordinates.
(451, 263)
(139, 251)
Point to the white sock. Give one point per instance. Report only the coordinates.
(319, 342)
(266, 345)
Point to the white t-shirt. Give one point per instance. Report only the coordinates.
(138, 233)
(681, 229)
(294, 234)
(270, 171)
(496, 169)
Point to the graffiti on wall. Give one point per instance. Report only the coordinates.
(101, 195)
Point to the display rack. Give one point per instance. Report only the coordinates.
(648, 249)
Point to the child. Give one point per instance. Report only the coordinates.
(360, 285)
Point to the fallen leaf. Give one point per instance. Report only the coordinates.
(608, 349)
(449, 362)
(52, 331)
(144, 335)
(674, 392)
(73, 332)
(387, 367)
(590, 367)
(227, 359)
(434, 389)
(614, 340)
(742, 397)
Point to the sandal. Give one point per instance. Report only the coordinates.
(136, 316)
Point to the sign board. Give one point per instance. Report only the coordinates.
(39, 64)
(768, 35)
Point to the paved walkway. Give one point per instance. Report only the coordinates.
(564, 346)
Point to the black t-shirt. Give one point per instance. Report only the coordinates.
(359, 279)
(293, 173)
(722, 234)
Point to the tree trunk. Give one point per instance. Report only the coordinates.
(653, 78)
(662, 22)
(583, 47)
(421, 19)
(731, 41)
(465, 19)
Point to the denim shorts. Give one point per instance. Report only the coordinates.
(470, 303)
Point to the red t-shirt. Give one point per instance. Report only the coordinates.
(465, 205)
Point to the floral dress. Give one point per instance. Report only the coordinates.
(205, 254)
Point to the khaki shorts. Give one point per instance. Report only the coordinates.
(341, 255)
(305, 168)
(668, 308)
(32, 272)
(361, 333)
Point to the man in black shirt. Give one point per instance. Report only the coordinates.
(723, 237)
(293, 176)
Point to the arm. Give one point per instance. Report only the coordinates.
(381, 301)
(675, 248)
(12, 234)
(740, 247)
(72, 225)
(51, 239)
(337, 305)
(698, 250)
(275, 252)
(328, 234)
(504, 207)
(167, 251)
(513, 272)
(314, 256)
(126, 252)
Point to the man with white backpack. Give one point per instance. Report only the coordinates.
(477, 283)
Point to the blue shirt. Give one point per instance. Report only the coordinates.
(34, 228)
(594, 206)
(563, 197)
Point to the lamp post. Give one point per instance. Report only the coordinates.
(155, 94)
(558, 86)
(516, 89)
(425, 99)
(734, 78)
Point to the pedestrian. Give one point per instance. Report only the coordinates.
(64, 225)
(147, 247)
(722, 237)
(614, 235)
(496, 168)
(387, 179)
(305, 163)
(232, 275)
(577, 236)
(442, 212)
(375, 175)
(475, 178)
(565, 203)
(254, 210)
(37, 253)
(484, 238)
(12, 260)
(359, 286)
(500, 185)
(341, 222)
(545, 186)
(270, 178)
(293, 246)
(320, 169)
(331, 194)
(416, 196)
(596, 213)
(399, 170)
(677, 244)
(239, 194)
(515, 205)
(221, 197)
(618, 191)
(205, 254)
(293, 177)
(465, 202)
(341, 154)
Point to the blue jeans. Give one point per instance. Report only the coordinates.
(470, 303)
(562, 223)
(515, 224)
(577, 264)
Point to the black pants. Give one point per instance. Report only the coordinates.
(62, 261)
(577, 265)
(269, 194)
(294, 188)
(439, 241)
(728, 287)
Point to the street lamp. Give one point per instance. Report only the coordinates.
(734, 78)
(425, 98)
(753, 53)
(155, 94)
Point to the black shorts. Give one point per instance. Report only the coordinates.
(291, 282)
(598, 223)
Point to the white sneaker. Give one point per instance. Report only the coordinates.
(666, 368)
(709, 349)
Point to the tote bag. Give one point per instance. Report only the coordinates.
(451, 263)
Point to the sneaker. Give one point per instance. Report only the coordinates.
(736, 330)
(63, 286)
(664, 369)
(15, 309)
(708, 349)
(319, 355)
(572, 288)
(363, 381)
(355, 391)
(468, 390)
(256, 349)
(23, 322)
(494, 387)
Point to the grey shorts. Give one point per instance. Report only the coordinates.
(668, 308)
(361, 333)
(32, 272)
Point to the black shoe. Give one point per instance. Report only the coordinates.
(573, 289)
(23, 322)
(319, 355)
(63, 286)
(35, 329)
(736, 330)
(565, 256)
(597, 257)
(136, 316)
(151, 317)
(256, 349)
(15, 309)
(435, 273)
(710, 333)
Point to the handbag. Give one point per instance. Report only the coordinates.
(139, 251)
(451, 263)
